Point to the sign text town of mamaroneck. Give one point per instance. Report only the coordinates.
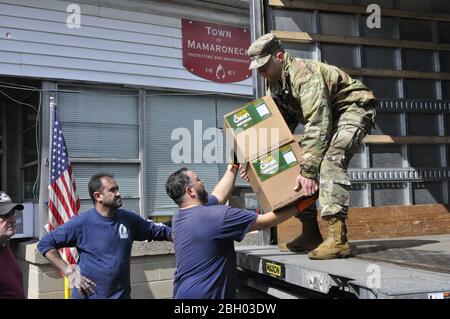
(216, 52)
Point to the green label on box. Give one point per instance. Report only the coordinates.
(275, 163)
(252, 114)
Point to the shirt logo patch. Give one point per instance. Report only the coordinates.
(123, 233)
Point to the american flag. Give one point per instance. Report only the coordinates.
(63, 199)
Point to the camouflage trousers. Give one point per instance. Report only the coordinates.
(334, 184)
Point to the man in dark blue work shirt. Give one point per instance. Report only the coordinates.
(103, 237)
(204, 231)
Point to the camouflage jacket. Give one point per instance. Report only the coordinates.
(321, 97)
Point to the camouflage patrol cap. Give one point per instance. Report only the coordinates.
(261, 50)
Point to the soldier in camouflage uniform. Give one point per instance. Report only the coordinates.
(337, 112)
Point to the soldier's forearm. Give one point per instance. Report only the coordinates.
(310, 164)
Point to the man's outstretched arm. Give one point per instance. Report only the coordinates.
(271, 219)
(223, 189)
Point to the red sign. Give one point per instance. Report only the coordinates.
(216, 52)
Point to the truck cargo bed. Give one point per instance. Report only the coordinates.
(408, 267)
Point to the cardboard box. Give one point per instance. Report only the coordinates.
(273, 177)
(257, 128)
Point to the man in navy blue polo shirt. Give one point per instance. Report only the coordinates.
(103, 237)
(204, 231)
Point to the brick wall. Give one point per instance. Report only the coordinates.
(152, 276)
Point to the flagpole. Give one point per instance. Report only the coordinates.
(51, 106)
(52, 118)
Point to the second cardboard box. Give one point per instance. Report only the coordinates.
(273, 176)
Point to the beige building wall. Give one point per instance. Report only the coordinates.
(152, 269)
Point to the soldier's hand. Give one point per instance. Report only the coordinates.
(243, 173)
(309, 186)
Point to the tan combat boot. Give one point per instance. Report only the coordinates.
(309, 239)
(336, 245)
